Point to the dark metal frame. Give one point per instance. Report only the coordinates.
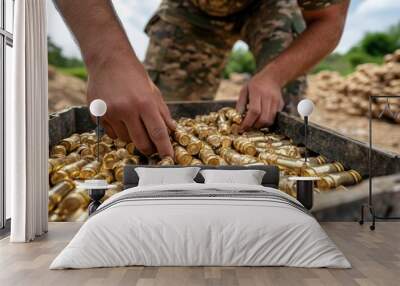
(6, 39)
(370, 206)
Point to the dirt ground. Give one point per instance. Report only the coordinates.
(65, 91)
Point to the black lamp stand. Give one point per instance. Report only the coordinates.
(369, 206)
(304, 188)
(96, 194)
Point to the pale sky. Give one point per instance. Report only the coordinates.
(364, 16)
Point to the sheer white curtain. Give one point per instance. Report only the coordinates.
(27, 123)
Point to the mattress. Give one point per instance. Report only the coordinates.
(201, 225)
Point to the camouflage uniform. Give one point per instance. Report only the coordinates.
(191, 39)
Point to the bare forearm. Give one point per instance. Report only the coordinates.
(135, 109)
(97, 30)
(316, 42)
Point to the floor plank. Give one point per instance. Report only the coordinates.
(375, 257)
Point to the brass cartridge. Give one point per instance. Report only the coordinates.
(84, 150)
(186, 122)
(70, 171)
(224, 126)
(58, 151)
(58, 192)
(166, 161)
(130, 147)
(88, 138)
(202, 130)
(319, 160)
(105, 174)
(248, 160)
(226, 141)
(56, 164)
(232, 157)
(335, 180)
(88, 158)
(215, 140)
(265, 145)
(244, 146)
(323, 169)
(134, 159)
(119, 143)
(71, 143)
(194, 146)
(107, 139)
(123, 153)
(228, 154)
(281, 143)
(208, 119)
(258, 140)
(208, 156)
(286, 162)
(233, 115)
(90, 170)
(255, 134)
(182, 157)
(196, 162)
(235, 128)
(288, 151)
(76, 199)
(181, 136)
(103, 149)
(71, 158)
(275, 137)
(110, 159)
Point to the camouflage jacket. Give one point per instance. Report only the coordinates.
(222, 14)
(223, 8)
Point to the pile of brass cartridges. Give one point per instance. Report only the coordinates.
(74, 159)
(351, 94)
(211, 139)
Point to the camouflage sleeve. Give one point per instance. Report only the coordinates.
(316, 4)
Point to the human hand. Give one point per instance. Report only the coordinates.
(136, 110)
(261, 98)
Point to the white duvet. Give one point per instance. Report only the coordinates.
(200, 231)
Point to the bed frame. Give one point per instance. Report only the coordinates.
(270, 179)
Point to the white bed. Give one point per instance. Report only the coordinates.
(267, 229)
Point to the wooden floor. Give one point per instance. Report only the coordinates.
(375, 257)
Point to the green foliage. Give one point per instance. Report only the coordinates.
(240, 61)
(359, 56)
(79, 72)
(57, 59)
(378, 44)
(334, 62)
(371, 49)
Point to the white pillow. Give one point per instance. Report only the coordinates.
(247, 177)
(166, 176)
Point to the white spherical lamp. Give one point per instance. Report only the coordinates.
(98, 107)
(305, 107)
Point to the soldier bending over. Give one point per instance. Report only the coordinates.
(189, 44)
